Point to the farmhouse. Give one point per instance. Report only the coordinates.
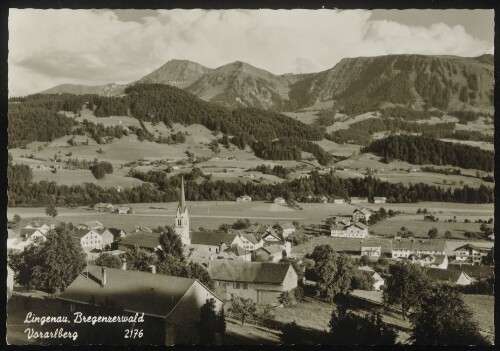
(470, 254)
(359, 200)
(378, 281)
(453, 277)
(285, 229)
(379, 200)
(94, 225)
(244, 198)
(123, 209)
(403, 248)
(213, 242)
(262, 282)
(261, 229)
(103, 207)
(271, 236)
(171, 305)
(42, 227)
(107, 237)
(283, 245)
(117, 233)
(32, 235)
(280, 201)
(272, 253)
(359, 214)
(144, 240)
(355, 230)
(248, 241)
(239, 253)
(371, 250)
(339, 220)
(89, 239)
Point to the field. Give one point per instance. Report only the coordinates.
(483, 307)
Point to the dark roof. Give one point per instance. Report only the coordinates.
(359, 225)
(237, 250)
(212, 238)
(439, 259)
(471, 247)
(135, 291)
(142, 239)
(248, 272)
(474, 270)
(274, 242)
(80, 233)
(26, 232)
(251, 237)
(116, 232)
(444, 274)
(420, 245)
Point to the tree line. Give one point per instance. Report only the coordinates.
(420, 150)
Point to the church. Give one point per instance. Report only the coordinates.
(181, 225)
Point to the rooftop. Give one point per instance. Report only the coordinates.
(142, 239)
(419, 245)
(212, 238)
(248, 272)
(444, 274)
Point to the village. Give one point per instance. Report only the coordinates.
(253, 262)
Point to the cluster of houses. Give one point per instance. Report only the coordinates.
(351, 227)
(107, 207)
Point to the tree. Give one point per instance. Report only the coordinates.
(447, 234)
(333, 272)
(98, 171)
(444, 319)
(108, 260)
(171, 243)
(362, 281)
(347, 328)
(292, 334)
(286, 298)
(242, 308)
(225, 227)
(207, 325)
(266, 316)
(220, 326)
(433, 233)
(405, 286)
(51, 211)
(51, 265)
(139, 259)
(17, 218)
(199, 272)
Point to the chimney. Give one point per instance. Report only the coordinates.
(152, 268)
(103, 281)
(124, 264)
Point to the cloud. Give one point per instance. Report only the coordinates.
(50, 47)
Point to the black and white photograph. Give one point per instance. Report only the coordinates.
(250, 177)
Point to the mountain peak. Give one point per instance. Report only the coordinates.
(176, 72)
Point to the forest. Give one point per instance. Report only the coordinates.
(420, 150)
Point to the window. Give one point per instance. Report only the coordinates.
(236, 285)
(245, 286)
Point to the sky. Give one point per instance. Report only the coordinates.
(93, 47)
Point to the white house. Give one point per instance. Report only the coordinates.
(44, 228)
(123, 209)
(379, 200)
(107, 237)
(280, 201)
(248, 241)
(378, 281)
(338, 200)
(89, 239)
(285, 229)
(271, 236)
(30, 236)
(359, 200)
(244, 198)
(355, 230)
(434, 261)
(470, 254)
(403, 248)
(371, 250)
(272, 253)
(359, 214)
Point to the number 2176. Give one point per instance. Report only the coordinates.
(133, 333)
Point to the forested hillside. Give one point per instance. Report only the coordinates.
(420, 150)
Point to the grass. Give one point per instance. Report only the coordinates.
(310, 314)
(80, 176)
(248, 334)
(482, 307)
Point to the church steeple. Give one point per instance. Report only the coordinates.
(181, 225)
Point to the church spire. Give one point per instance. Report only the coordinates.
(182, 203)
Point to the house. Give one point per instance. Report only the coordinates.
(271, 236)
(340, 220)
(239, 253)
(434, 261)
(94, 225)
(170, 305)
(379, 200)
(261, 229)
(378, 281)
(371, 250)
(123, 209)
(263, 282)
(272, 253)
(103, 207)
(44, 228)
(280, 201)
(107, 237)
(475, 272)
(142, 229)
(32, 235)
(355, 230)
(324, 200)
(359, 200)
(244, 198)
(213, 242)
(285, 229)
(10, 280)
(453, 277)
(403, 248)
(117, 233)
(491, 236)
(248, 241)
(88, 238)
(283, 245)
(359, 214)
(338, 200)
(144, 240)
(470, 254)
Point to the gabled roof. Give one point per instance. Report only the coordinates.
(419, 245)
(272, 249)
(102, 231)
(248, 272)
(285, 226)
(134, 291)
(237, 250)
(116, 232)
(27, 232)
(142, 239)
(444, 274)
(439, 259)
(80, 233)
(338, 227)
(366, 269)
(363, 211)
(471, 247)
(275, 242)
(273, 234)
(251, 237)
(144, 229)
(212, 238)
(261, 229)
(92, 224)
(474, 270)
(359, 225)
